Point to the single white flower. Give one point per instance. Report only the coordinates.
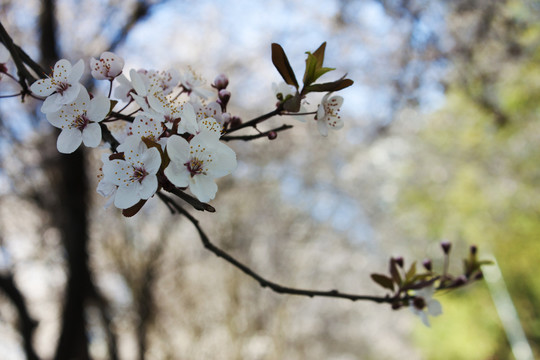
(135, 175)
(196, 164)
(328, 114)
(62, 87)
(79, 121)
(283, 90)
(194, 84)
(107, 67)
(423, 304)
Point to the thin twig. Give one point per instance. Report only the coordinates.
(256, 136)
(261, 280)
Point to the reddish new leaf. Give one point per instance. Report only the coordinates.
(280, 61)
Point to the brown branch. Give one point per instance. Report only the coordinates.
(257, 136)
(261, 280)
(257, 120)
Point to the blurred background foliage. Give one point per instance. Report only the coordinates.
(440, 143)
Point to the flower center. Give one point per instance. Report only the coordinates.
(81, 122)
(419, 303)
(195, 167)
(61, 87)
(139, 173)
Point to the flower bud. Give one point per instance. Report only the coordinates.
(221, 82)
(235, 121)
(473, 249)
(224, 96)
(272, 135)
(427, 264)
(446, 246)
(399, 261)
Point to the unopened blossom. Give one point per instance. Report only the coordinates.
(135, 175)
(197, 163)
(423, 304)
(194, 84)
(79, 121)
(62, 87)
(328, 114)
(107, 67)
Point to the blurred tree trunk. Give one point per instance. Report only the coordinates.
(69, 180)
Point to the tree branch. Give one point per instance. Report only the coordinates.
(257, 136)
(261, 280)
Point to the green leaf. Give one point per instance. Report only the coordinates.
(319, 54)
(329, 86)
(383, 281)
(280, 61)
(412, 271)
(314, 65)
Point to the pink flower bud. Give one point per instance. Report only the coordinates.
(221, 82)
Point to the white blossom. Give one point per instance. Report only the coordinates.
(423, 304)
(328, 114)
(135, 175)
(197, 163)
(62, 87)
(194, 84)
(79, 121)
(107, 67)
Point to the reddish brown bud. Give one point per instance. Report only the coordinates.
(272, 135)
(446, 246)
(427, 264)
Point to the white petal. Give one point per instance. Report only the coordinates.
(434, 307)
(178, 149)
(76, 72)
(70, 94)
(203, 187)
(151, 160)
(61, 71)
(99, 108)
(69, 140)
(148, 186)
(42, 87)
(126, 197)
(50, 104)
(224, 161)
(323, 128)
(177, 174)
(91, 135)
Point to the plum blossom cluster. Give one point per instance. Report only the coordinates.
(175, 127)
(169, 140)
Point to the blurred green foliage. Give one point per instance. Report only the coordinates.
(474, 178)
